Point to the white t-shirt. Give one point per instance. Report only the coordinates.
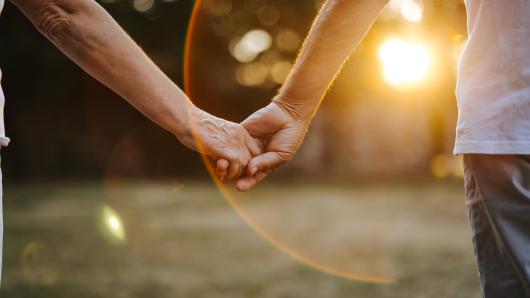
(494, 79)
(3, 140)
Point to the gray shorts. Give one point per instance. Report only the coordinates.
(498, 200)
(1, 224)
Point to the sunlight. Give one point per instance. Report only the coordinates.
(412, 11)
(403, 62)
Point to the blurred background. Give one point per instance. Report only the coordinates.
(99, 202)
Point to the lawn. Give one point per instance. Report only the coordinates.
(182, 239)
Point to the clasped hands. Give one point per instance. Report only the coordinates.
(248, 152)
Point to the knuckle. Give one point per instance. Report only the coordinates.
(284, 157)
(237, 132)
(232, 157)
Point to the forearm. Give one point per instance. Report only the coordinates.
(339, 28)
(88, 35)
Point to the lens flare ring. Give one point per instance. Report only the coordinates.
(380, 279)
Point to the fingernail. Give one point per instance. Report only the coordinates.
(254, 170)
(241, 187)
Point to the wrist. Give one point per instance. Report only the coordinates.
(300, 110)
(185, 123)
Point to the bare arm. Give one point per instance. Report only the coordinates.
(339, 28)
(88, 35)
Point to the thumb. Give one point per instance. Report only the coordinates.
(265, 162)
(246, 183)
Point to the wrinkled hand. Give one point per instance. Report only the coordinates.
(280, 133)
(220, 139)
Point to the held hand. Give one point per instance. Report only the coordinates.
(280, 133)
(220, 139)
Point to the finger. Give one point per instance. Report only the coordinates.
(248, 182)
(254, 146)
(264, 162)
(254, 128)
(234, 171)
(222, 168)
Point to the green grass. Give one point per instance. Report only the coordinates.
(184, 240)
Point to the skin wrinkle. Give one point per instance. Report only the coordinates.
(53, 21)
(59, 22)
(295, 108)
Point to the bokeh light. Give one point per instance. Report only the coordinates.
(403, 62)
(280, 71)
(143, 5)
(288, 40)
(412, 11)
(114, 230)
(252, 74)
(250, 45)
(409, 10)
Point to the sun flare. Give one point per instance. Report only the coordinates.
(404, 62)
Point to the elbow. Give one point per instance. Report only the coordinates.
(54, 21)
